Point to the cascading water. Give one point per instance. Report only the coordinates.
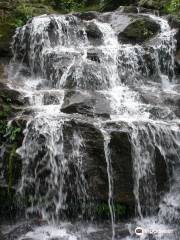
(56, 55)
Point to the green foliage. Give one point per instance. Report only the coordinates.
(13, 132)
(3, 127)
(173, 7)
(9, 133)
(5, 110)
(24, 11)
(69, 5)
(103, 210)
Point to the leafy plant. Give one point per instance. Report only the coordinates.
(23, 13)
(70, 5)
(13, 132)
(173, 7)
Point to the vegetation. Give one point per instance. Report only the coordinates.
(173, 7)
(10, 139)
(102, 210)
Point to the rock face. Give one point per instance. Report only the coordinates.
(93, 33)
(122, 165)
(11, 138)
(91, 104)
(139, 31)
(95, 166)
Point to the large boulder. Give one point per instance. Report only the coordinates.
(139, 31)
(93, 33)
(95, 164)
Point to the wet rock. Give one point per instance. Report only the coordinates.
(118, 20)
(87, 16)
(122, 165)
(95, 55)
(106, 234)
(11, 102)
(139, 31)
(10, 95)
(174, 22)
(87, 76)
(7, 31)
(52, 98)
(2, 236)
(93, 33)
(23, 228)
(128, 9)
(11, 137)
(95, 167)
(94, 163)
(52, 32)
(55, 64)
(10, 168)
(161, 174)
(86, 103)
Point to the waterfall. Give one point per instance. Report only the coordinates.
(57, 56)
(110, 181)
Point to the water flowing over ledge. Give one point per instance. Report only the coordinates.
(92, 96)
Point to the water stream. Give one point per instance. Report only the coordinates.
(54, 56)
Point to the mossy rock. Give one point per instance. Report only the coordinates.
(139, 31)
(8, 99)
(11, 138)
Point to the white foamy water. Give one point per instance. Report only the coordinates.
(54, 55)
